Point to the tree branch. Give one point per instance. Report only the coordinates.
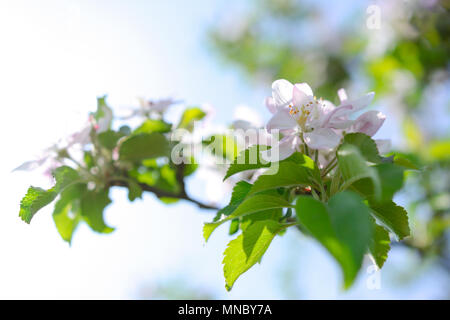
(165, 194)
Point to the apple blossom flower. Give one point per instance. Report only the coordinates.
(147, 107)
(318, 123)
(369, 123)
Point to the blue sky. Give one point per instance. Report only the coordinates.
(58, 57)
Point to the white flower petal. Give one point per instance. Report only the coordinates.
(322, 138)
(286, 147)
(369, 122)
(383, 145)
(281, 120)
(282, 92)
(270, 104)
(359, 103)
(299, 97)
(305, 89)
(342, 94)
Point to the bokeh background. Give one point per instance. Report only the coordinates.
(56, 57)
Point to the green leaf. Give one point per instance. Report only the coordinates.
(151, 125)
(392, 216)
(234, 227)
(343, 228)
(221, 146)
(404, 162)
(356, 172)
(66, 213)
(144, 146)
(238, 195)
(271, 214)
(391, 179)
(92, 205)
(260, 202)
(248, 159)
(109, 139)
(134, 190)
(380, 244)
(366, 146)
(37, 198)
(289, 174)
(247, 249)
(189, 117)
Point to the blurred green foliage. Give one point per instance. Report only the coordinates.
(401, 61)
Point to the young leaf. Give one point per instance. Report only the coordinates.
(356, 172)
(380, 244)
(134, 190)
(248, 159)
(66, 213)
(392, 216)
(260, 202)
(247, 249)
(366, 146)
(109, 139)
(92, 205)
(189, 116)
(391, 179)
(289, 174)
(238, 195)
(152, 125)
(143, 146)
(342, 227)
(37, 198)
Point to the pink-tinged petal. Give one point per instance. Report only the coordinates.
(281, 120)
(359, 103)
(286, 147)
(270, 104)
(322, 139)
(369, 122)
(383, 145)
(282, 92)
(305, 89)
(327, 106)
(342, 94)
(30, 165)
(336, 116)
(299, 97)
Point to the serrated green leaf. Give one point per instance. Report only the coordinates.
(248, 159)
(391, 179)
(356, 173)
(189, 117)
(366, 146)
(380, 244)
(108, 139)
(238, 195)
(289, 174)
(342, 227)
(260, 202)
(92, 205)
(271, 214)
(144, 146)
(394, 217)
(66, 213)
(234, 227)
(247, 249)
(37, 198)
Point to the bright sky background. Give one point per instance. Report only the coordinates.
(56, 58)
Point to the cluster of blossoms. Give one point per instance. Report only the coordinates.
(307, 123)
(55, 155)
